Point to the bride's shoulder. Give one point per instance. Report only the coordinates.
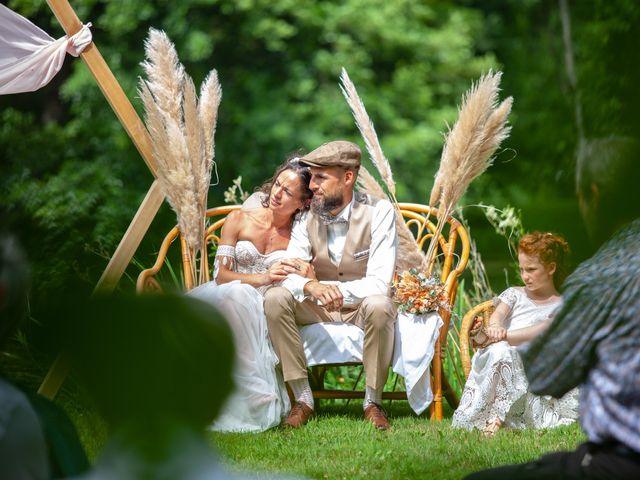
(255, 215)
(235, 221)
(244, 214)
(234, 217)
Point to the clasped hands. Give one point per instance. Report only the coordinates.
(496, 333)
(278, 271)
(483, 337)
(328, 295)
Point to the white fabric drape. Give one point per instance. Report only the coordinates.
(415, 339)
(29, 57)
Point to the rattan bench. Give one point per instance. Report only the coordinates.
(452, 254)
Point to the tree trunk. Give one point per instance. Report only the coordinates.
(565, 18)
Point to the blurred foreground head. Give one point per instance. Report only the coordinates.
(14, 286)
(152, 359)
(607, 184)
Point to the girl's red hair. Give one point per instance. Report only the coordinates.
(549, 248)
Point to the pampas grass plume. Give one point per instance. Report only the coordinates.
(469, 146)
(182, 132)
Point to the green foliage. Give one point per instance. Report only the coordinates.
(608, 80)
(452, 362)
(527, 38)
(74, 179)
(507, 223)
(64, 207)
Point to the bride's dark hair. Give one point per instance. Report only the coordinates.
(291, 163)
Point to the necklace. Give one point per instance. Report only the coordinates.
(276, 234)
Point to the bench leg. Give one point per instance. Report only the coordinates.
(435, 410)
(448, 392)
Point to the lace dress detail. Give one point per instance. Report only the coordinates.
(509, 297)
(497, 385)
(260, 399)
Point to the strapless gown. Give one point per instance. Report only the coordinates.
(260, 399)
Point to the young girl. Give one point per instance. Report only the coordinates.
(496, 391)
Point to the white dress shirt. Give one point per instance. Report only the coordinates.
(382, 254)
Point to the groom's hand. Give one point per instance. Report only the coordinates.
(328, 295)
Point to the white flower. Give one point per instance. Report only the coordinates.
(230, 195)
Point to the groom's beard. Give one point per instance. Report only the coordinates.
(322, 206)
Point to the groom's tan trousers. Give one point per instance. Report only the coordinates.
(375, 315)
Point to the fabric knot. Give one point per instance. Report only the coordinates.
(79, 41)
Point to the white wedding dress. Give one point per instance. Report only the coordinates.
(260, 399)
(497, 387)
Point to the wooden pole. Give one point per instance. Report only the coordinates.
(131, 240)
(148, 209)
(108, 84)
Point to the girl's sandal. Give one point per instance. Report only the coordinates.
(492, 428)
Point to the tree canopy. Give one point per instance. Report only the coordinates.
(71, 179)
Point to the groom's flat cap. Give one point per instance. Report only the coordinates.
(339, 153)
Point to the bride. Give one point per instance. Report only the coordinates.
(250, 259)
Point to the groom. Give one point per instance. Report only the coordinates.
(350, 240)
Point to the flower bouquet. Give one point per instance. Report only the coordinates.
(417, 293)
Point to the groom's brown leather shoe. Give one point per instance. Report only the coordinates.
(374, 414)
(298, 416)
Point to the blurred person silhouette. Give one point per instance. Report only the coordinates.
(23, 451)
(37, 439)
(594, 340)
(158, 368)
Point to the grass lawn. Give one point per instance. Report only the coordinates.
(339, 444)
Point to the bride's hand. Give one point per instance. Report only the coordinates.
(275, 273)
(299, 267)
